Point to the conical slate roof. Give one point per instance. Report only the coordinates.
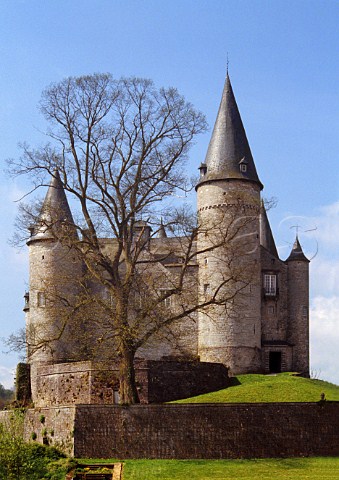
(55, 219)
(229, 155)
(162, 232)
(266, 237)
(297, 253)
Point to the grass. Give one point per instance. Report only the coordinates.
(326, 468)
(283, 387)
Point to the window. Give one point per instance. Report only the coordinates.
(168, 301)
(243, 167)
(26, 297)
(304, 311)
(207, 289)
(116, 396)
(206, 260)
(271, 310)
(270, 284)
(41, 299)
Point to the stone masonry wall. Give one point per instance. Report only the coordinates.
(52, 426)
(274, 310)
(97, 383)
(189, 431)
(175, 380)
(207, 431)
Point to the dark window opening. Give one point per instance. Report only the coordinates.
(275, 362)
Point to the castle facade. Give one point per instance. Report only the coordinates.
(262, 326)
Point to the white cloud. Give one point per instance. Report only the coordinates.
(319, 236)
(325, 337)
(7, 376)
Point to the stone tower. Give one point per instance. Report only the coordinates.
(298, 284)
(228, 196)
(54, 268)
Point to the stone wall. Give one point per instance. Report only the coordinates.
(175, 380)
(97, 383)
(274, 309)
(207, 431)
(52, 426)
(189, 431)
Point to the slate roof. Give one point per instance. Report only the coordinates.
(297, 253)
(229, 148)
(266, 236)
(55, 212)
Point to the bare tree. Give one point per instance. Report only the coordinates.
(118, 147)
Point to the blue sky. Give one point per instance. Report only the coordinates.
(284, 67)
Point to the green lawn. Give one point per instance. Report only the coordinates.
(284, 387)
(263, 469)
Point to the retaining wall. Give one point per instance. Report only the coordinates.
(190, 431)
(207, 431)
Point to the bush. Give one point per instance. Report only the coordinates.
(20, 460)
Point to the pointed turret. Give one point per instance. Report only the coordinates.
(55, 219)
(266, 237)
(297, 253)
(162, 232)
(229, 155)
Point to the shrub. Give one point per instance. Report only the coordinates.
(20, 460)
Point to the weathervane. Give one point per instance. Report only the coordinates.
(296, 228)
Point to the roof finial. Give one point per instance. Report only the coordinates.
(227, 64)
(297, 226)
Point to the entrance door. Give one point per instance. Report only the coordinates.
(275, 362)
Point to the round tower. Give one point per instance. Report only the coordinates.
(298, 305)
(228, 196)
(54, 267)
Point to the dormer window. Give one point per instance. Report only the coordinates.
(26, 297)
(243, 165)
(203, 169)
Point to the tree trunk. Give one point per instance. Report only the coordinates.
(128, 389)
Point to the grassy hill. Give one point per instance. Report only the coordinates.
(283, 387)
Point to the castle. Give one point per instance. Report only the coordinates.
(262, 327)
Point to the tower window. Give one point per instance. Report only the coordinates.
(304, 311)
(271, 310)
(168, 301)
(41, 299)
(207, 289)
(270, 284)
(243, 167)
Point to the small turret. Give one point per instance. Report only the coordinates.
(55, 268)
(142, 233)
(55, 220)
(297, 253)
(162, 232)
(298, 305)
